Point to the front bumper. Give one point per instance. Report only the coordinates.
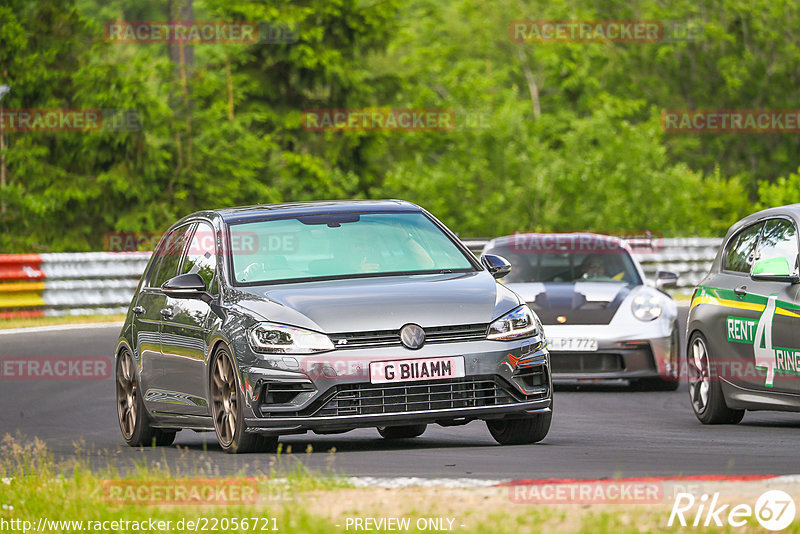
(446, 417)
(606, 363)
(333, 391)
(629, 356)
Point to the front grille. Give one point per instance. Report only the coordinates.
(366, 399)
(586, 362)
(387, 338)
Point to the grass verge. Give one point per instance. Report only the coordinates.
(38, 495)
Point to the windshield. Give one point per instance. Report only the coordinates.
(568, 267)
(342, 245)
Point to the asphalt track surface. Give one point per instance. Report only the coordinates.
(597, 432)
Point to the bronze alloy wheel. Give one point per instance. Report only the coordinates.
(224, 399)
(134, 423)
(127, 393)
(227, 409)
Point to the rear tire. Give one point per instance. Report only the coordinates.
(530, 429)
(705, 391)
(134, 422)
(402, 432)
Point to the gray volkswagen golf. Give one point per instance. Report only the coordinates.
(743, 351)
(261, 321)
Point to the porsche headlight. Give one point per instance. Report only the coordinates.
(518, 323)
(281, 339)
(647, 306)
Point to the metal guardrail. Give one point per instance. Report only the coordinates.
(691, 258)
(37, 285)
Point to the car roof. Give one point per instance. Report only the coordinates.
(790, 210)
(261, 211)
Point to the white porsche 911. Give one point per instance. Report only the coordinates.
(601, 319)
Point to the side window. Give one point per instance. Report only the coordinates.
(201, 257)
(778, 244)
(170, 254)
(153, 264)
(739, 256)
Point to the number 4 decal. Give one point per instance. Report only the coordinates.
(765, 356)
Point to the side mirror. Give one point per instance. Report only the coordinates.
(498, 266)
(666, 279)
(774, 269)
(186, 286)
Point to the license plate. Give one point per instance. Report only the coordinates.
(572, 344)
(414, 370)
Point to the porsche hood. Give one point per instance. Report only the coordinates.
(578, 302)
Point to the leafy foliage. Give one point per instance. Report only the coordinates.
(550, 136)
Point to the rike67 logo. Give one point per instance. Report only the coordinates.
(774, 510)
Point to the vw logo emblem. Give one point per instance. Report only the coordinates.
(412, 336)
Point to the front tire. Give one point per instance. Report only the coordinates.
(228, 407)
(530, 429)
(705, 391)
(401, 432)
(133, 420)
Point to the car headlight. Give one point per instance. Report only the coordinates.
(518, 323)
(282, 339)
(647, 306)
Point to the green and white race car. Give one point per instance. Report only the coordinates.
(743, 340)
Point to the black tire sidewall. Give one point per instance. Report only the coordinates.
(521, 431)
(716, 409)
(402, 431)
